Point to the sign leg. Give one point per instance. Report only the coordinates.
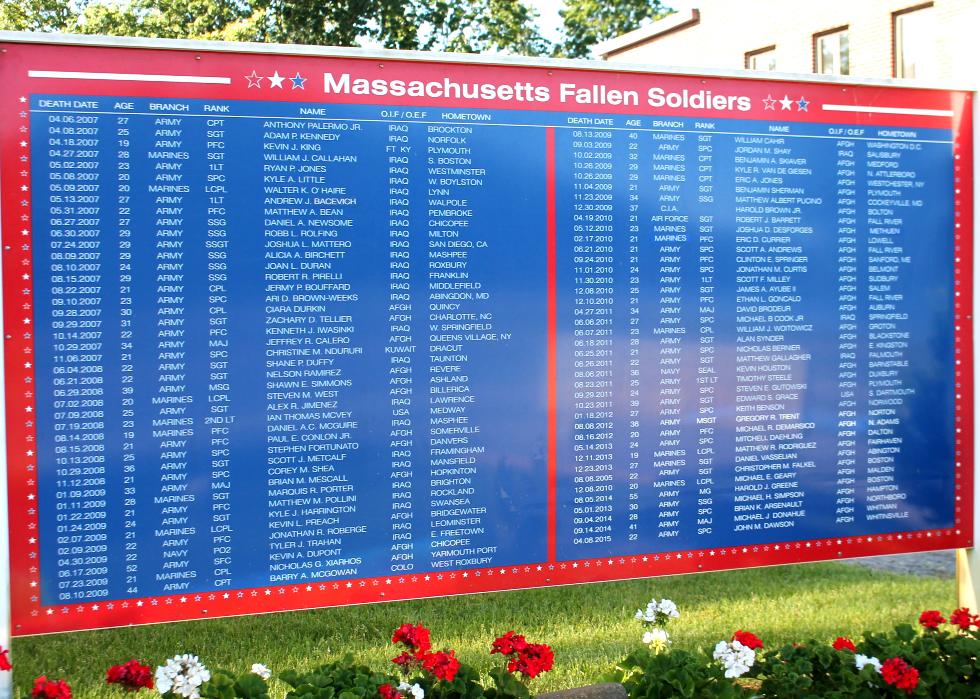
(6, 678)
(968, 578)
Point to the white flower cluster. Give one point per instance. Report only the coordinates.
(658, 612)
(657, 638)
(414, 689)
(183, 675)
(261, 670)
(736, 658)
(861, 660)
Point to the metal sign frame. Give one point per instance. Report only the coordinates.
(193, 58)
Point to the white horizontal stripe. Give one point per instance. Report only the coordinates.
(888, 110)
(135, 77)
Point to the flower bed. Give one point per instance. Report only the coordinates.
(937, 659)
(421, 670)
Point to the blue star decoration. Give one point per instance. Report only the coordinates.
(802, 104)
(298, 81)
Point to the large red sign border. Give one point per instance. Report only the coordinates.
(29, 616)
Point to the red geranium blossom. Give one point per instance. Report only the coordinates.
(747, 639)
(509, 644)
(534, 659)
(132, 675)
(50, 689)
(442, 664)
(899, 673)
(388, 692)
(5, 660)
(415, 638)
(962, 618)
(844, 643)
(404, 660)
(931, 619)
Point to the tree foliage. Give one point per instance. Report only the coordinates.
(170, 19)
(39, 15)
(472, 26)
(587, 22)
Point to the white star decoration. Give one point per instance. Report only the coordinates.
(275, 80)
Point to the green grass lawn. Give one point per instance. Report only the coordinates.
(590, 627)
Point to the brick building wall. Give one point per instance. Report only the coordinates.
(719, 34)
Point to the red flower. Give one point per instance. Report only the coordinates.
(844, 643)
(899, 673)
(415, 638)
(5, 660)
(509, 644)
(962, 618)
(534, 659)
(407, 662)
(931, 619)
(442, 664)
(404, 659)
(132, 675)
(388, 692)
(50, 689)
(747, 639)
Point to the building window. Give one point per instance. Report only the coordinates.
(831, 52)
(914, 38)
(761, 59)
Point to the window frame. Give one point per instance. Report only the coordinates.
(750, 55)
(818, 36)
(896, 15)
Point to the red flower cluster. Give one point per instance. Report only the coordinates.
(415, 638)
(442, 664)
(533, 660)
(529, 659)
(132, 675)
(899, 673)
(508, 644)
(50, 689)
(388, 692)
(5, 660)
(961, 617)
(931, 619)
(844, 643)
(747, 639)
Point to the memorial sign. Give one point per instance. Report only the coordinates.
(290, 328)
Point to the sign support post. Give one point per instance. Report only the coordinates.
(967, 578)
(968, 560)
(6, 678)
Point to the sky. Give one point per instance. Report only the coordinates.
(548, 20)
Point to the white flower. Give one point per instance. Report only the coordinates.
(650, 615)
(658, 612)
(183, 675)
(414, 689)
(261, 670)
(736, 658)
(861, 660)
(668, 608)
(657, 638)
